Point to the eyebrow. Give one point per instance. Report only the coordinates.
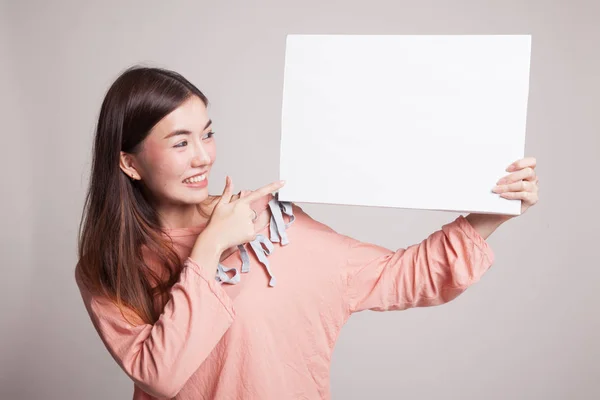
(185, 131)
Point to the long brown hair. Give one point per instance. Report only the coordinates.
(118, 219)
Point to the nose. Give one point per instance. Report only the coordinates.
(201, 157)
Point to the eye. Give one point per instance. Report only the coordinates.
(209, 135)
(181, 143)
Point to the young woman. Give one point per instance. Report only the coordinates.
(238, 296)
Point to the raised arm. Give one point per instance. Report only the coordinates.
(430, 273)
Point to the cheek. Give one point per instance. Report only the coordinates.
(165, 166)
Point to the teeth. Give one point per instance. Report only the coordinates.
(195, 179)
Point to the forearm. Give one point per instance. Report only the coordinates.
(486, 224)
(207, 251)
(161, 357)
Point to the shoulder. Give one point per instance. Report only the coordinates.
(311, 228)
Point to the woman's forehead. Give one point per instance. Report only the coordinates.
(191, 116)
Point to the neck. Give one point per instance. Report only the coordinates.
(186, 216)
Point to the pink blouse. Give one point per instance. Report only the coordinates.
(270, 332)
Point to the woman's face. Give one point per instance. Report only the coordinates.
(181, 146)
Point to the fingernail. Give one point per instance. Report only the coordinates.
(282, 182)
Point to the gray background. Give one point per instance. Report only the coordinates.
(528, 330)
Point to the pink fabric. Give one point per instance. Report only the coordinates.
(252, 341)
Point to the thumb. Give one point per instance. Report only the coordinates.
(227, 192)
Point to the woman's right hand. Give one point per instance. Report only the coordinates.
(232, 221)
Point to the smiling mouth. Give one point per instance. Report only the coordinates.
(195, 179)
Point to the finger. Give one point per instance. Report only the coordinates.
(528, 197)
(227, 192)
(530, 162)
(236, 196)
(520, 186)
(263, 191)
(527, 173)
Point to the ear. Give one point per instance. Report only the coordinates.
(127, 165)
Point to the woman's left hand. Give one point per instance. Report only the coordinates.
(520, 184)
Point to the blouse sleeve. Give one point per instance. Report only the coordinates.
(161, 357)
(430, 273)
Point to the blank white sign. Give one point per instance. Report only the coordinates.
(423, 122)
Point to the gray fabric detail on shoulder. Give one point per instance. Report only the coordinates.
(261, 245)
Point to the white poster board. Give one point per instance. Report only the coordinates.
(417, 121)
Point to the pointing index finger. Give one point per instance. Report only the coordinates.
(263, 191)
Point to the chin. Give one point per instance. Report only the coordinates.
(199, 196)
